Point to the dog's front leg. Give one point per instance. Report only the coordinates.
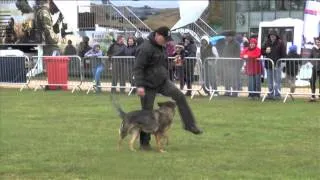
(158, 142)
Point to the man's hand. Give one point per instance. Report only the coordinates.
(245, 56)
(140, 91)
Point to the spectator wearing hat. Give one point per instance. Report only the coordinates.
(151, 77)
(315, 53)
(230, 68)
(84, 46)
(190, 62)
(253, 68)
(292, 67)
(274, 49)
(70, 49)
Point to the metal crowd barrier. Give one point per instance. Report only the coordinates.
(232, 76)
(186, 74)
(13, 71)
(110, 72)
(56, 72)
(298, 75)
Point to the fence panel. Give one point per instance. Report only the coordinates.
(186, 74)
(110, 72)
(56, 72)
(299, 77)
(13, 71)
(232, 76)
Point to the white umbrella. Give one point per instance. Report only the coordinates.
(190, 12)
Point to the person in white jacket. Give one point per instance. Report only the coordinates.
(209, 74)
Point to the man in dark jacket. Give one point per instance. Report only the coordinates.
(315, 53)
(70, 49)
(151, 76)
(118, 72)
(130, 51)
(292, 67)
(84, 46)
(190, 53)
(231, 68)
(274, 49)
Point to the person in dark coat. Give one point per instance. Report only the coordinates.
(231, 68)
(84, 46)
(151, 77)
(292, 67)
(70, 49)
(118, 72)
(315, 53)
(130, 51)
(274, 49)
(190, 50)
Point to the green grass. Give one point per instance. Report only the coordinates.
(59, 135)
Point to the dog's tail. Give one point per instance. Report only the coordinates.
(118, 108)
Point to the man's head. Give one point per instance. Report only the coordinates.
(69, 42)
(317, 41)
(120, 39)
(131, 41)
(162, 35)
(229, 34)
(273, 35)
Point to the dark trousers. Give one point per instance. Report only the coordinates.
(170, 90)
(313, 80)
(180, 74)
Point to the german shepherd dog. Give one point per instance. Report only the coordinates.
(156, 122)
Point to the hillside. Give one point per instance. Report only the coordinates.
(166, 17)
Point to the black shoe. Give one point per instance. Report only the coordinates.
(145, 147)
(194, 130)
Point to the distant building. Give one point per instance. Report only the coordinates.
(244, 16)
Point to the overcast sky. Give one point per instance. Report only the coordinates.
(153, 4)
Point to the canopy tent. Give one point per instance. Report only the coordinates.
(190, 12)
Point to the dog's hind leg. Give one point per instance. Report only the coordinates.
(135, 135)
(120, 140)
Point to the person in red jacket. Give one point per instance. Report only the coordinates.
(253, 68)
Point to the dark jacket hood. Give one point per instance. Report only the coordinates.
(273, 32)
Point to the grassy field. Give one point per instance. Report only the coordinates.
(59, 135)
